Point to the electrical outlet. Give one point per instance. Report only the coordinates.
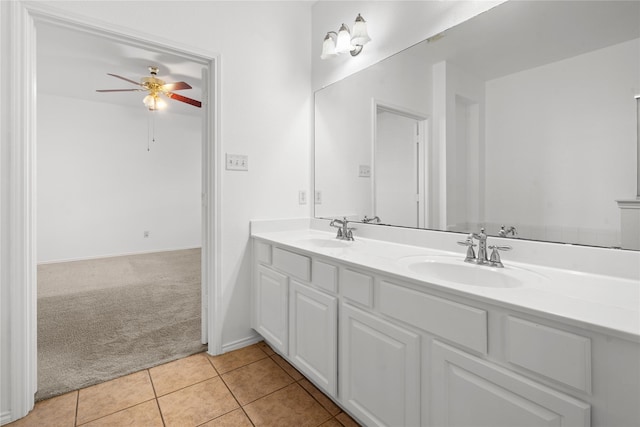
(146, 234)
(302, 197)
(364, 171)
(318, 198)
(237, 162)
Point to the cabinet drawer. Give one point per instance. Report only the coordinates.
(292, 263)
(262, 252)
(357, 287)
(559, 355)
(457, 322)
(325, 275)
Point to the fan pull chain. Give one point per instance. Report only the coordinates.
(151, 128)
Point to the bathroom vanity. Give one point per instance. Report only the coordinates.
(396, 342)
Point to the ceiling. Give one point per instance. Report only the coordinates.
(519, 35)
(75, 63)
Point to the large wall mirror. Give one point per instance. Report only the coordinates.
(523, 116)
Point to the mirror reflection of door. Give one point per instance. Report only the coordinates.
(399, 168)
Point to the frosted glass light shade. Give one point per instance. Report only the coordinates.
(344, 40)
(160, 103)
(329, 47)
(360, 35)
(153, 102)
(148, 101)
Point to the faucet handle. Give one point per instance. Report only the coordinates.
(471, 254)
(349, 234)
(494, 260)
(468, 243)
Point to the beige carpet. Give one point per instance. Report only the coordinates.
(104, 318)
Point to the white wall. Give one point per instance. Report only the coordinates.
(99, 188)
(530, 170)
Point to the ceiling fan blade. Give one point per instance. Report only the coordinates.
(125, 79)
(184, 99)
(119, 90)
(176, 86)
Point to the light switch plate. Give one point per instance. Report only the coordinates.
(237, 162)
(318, 198)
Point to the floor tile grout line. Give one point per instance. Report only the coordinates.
(115, 412)
(237, 401)
(268, 394)
(239, 367)
(187, 386)
(252, 363)
(313, 397)
(155, 393)
(248, 417)
(75, 419)
(121, 409)
(209, 357)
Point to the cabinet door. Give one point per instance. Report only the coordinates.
(379, 370)
(468, 391)
(271, 306)
(313, 330)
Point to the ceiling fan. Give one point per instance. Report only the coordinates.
(155, 87)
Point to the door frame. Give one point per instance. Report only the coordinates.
(423, 159)
(19, 122)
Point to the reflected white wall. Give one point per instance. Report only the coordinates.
(587, 110)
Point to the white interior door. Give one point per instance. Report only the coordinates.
(399, 169)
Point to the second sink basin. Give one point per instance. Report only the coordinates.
(457, 271)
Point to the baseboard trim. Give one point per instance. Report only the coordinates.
(244, 342)
(56, 261)
(5, 418)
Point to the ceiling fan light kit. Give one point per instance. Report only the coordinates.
(156, 87)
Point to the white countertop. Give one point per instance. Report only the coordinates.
(591, 301)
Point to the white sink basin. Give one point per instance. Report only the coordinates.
(457, 271)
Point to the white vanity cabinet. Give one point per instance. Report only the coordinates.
(271, 307)
(392, 351)
(379, 369)
(293, 312)
(313, 325)
(469, 391)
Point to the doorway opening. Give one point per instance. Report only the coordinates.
(400, 166)
(21, 269)
(118, 212)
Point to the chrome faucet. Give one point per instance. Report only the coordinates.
(504, 233)
(482, 247)
(344, 231)
(482, 259)
(375, 219)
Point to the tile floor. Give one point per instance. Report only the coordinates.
(252, 386)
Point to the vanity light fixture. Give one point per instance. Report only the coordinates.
(345, 41)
